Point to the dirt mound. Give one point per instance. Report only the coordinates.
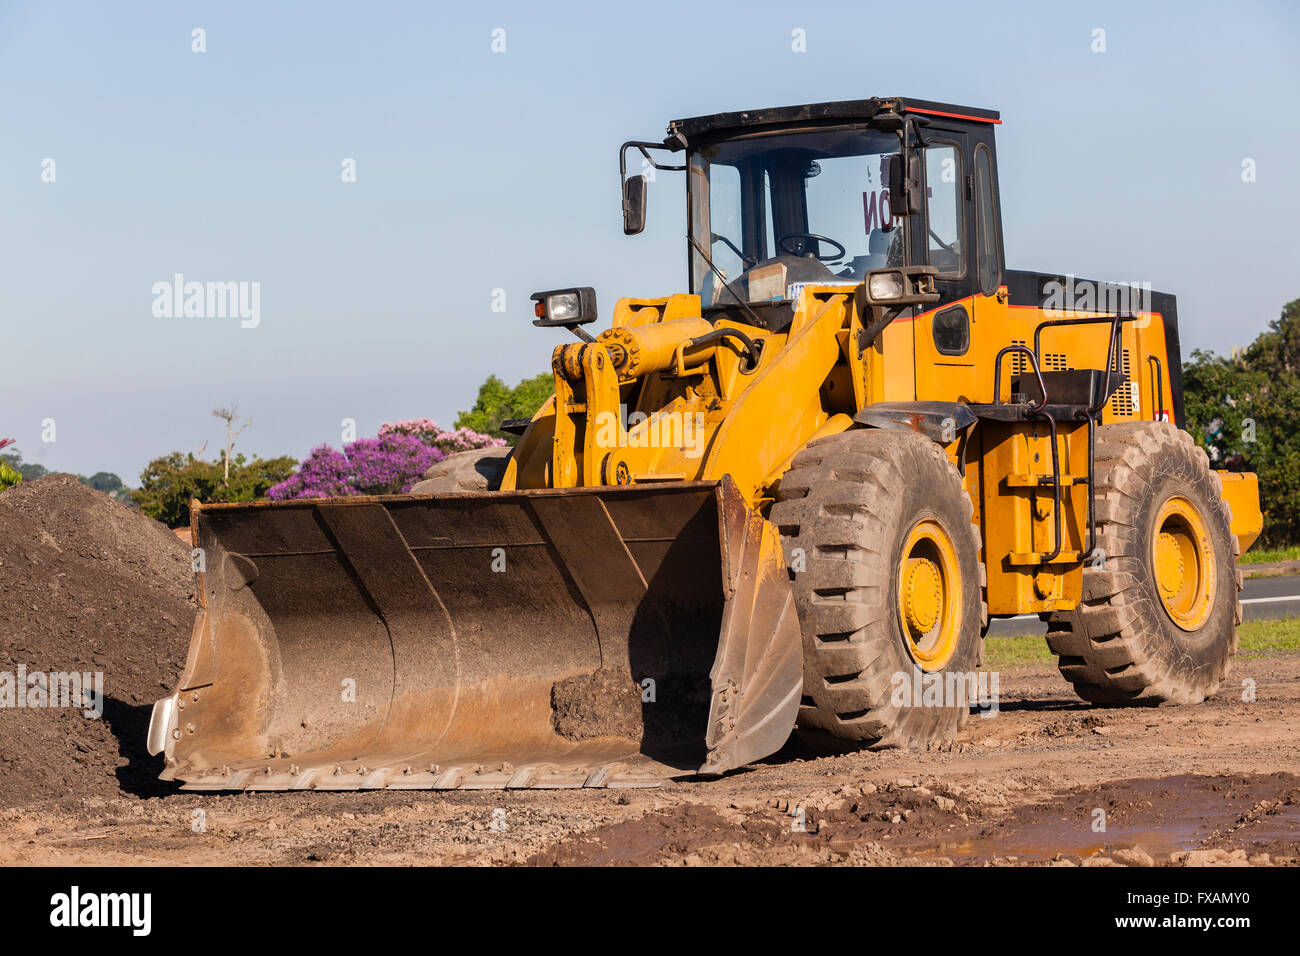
(87, 585)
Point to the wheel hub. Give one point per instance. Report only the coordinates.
(924, 595)
(1169, 565)
(930, 595)
(1183, 563)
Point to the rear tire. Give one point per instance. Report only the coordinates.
(877, 531)
(479, 469)
(1158, 619)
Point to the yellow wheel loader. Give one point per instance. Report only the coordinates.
(791, 496)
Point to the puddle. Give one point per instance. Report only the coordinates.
(1161, 816)
(1048, 842)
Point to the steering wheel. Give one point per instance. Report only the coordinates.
(800, 249)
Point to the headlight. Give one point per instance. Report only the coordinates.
(886, 285)
(562, 307)
(565, 308)
(888, 291)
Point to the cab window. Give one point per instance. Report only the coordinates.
(990, 273)
(943, 177)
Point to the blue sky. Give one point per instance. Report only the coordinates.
(479, 171)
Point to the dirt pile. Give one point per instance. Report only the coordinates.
(87, 585)
(608, 703)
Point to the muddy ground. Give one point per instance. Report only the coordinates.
(1214, 784)
(86, 583)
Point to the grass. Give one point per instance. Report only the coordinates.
(1267, 555)
(1000, 652)
(1269, 637)
(1258, 638)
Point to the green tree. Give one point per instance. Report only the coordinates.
(29, 470)
(168, 483)
(497, 403)
(1243, 409)
(104, 481)
(8, 476)
(110, 484)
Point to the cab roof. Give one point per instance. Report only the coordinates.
(697, 127)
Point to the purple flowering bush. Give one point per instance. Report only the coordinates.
(389, 464)
(447, 442)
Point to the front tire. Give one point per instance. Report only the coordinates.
(888, 585)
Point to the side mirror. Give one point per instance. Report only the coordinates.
(634, 195)
(905, 185)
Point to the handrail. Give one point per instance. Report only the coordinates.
(997, 374)
(1115, 322)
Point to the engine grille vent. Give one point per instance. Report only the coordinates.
(1055, 362)
(1019, 364)
(1123, 403)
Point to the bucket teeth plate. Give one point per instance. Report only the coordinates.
(540, 777)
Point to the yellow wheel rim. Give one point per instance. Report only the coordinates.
(1182, 558)
(929, 595)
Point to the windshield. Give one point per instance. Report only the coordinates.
(791, 207)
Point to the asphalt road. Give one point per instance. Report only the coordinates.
(1262, 599)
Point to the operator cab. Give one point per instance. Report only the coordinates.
(826, 194)
(809, 202)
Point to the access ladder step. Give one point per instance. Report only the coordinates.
(1044, 481)
(1038, 557)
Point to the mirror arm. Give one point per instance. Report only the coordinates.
(670, 145)
(643, 148)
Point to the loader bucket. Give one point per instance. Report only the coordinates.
(555, 638)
